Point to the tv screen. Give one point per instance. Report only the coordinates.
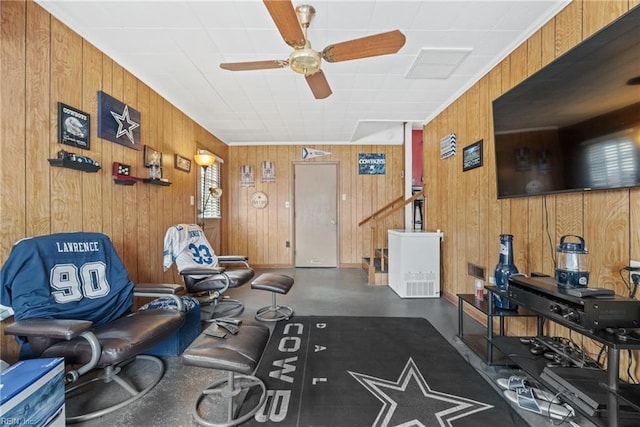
(575, 124)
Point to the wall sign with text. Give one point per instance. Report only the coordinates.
(371, 164)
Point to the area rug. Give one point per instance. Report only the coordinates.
(372, 371)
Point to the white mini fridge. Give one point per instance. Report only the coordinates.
(414, 263)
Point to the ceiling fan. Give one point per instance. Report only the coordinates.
(292, 25)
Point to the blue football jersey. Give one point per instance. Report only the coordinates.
(66, 276)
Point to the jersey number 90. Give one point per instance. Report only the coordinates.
(70, 283)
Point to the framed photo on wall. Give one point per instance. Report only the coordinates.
(152, 157)
(182, 163)
(73, 126)
(472, 156)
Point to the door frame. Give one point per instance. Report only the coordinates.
(336, 163)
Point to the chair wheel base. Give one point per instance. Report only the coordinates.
(274, 313)
(227, 389)
(134, 394)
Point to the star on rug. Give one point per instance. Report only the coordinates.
(410, 402)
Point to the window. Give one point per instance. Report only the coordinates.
(211, 181)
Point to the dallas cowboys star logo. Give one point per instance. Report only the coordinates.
(410, 402)
(122, 119)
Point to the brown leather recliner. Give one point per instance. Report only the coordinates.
(72, 297)
(206, 275)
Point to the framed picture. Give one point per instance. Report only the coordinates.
(472, 156)
(73, 126)
(152, 157)
(182, 163)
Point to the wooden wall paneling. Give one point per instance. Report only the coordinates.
(505, 204)
(163, 134)
(13, 18)
(143, 236)
(487, 178)
(450, 245)
(106, 147)
(92, 184)
(606, 234)
(519, 213)
(473, 191)
(568, 27)
(358, 233)
(494, 214)
(38, 67)
(281, 186)
(363, 207)
(598, 14)
(66, 184)
(536, 238)
(284, 188)
(118, 154)
(129, 96)
(252, 213)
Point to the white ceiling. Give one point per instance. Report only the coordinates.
(176, 47)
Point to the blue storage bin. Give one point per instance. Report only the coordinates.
(180, 340)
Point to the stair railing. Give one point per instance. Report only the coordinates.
(375, 218)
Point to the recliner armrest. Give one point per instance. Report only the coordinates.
(65, 329)
(232, 258)
(202, 271)
(158, 288)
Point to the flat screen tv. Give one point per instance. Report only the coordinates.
(575, 124)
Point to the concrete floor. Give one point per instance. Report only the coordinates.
(317, 291)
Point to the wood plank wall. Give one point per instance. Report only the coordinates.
(262, 233)
(42, 62)
(465, 205)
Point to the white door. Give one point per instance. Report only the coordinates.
(316, 214)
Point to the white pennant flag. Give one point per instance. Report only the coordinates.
(309, 153)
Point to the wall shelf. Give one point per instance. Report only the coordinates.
(124, 181)
(70, 164)
(156, 182)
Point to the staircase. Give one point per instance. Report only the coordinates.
(380, 268)
(376, 265)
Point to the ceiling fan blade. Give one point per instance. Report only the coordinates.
(254, 65)
(318, 84)
(286, 20)
(378, 44)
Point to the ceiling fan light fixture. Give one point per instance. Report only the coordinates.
(305, 61)
(305, 13)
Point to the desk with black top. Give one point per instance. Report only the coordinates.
(629, 394)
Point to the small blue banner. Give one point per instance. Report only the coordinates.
(118, 122)
(371, 164)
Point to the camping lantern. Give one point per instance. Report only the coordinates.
(571, 271)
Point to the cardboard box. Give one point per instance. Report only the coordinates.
(32, 393)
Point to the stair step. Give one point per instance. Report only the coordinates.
(383, 251)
